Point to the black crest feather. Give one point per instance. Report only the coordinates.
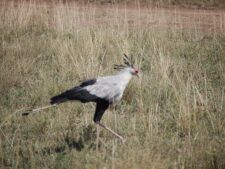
(128, 62)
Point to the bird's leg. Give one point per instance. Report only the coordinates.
(110, 130)
(97, 140)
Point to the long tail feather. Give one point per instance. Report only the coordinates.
(29, 111)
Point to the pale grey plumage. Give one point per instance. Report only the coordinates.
(111, 88)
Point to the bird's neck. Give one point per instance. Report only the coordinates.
(125, 76)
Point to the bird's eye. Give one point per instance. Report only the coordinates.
(135, 71)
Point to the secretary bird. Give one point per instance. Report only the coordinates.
(102, 90)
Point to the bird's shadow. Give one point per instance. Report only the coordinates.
(86, 139)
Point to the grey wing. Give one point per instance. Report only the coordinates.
(106, 90)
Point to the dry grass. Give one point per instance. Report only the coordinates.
(172, 117)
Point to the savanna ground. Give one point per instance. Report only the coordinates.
(173, 116)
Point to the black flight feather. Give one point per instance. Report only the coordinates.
(88, 82)
(76, 93)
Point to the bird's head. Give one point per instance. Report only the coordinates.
(128, 66)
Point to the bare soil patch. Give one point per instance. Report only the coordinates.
(92, 15)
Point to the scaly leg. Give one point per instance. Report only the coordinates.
(97, 140)
(110, 130)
